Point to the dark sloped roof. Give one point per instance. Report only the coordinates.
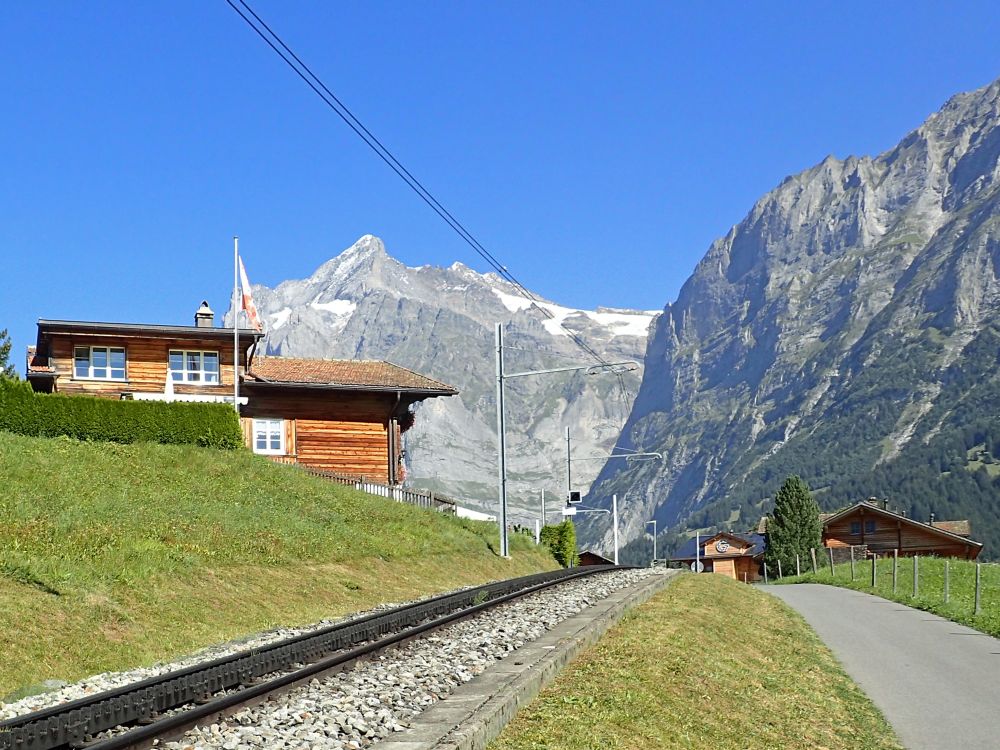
(762, 523)
(341, 373)
(140, 329)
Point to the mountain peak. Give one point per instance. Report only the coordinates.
(366, 245)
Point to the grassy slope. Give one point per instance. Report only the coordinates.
(708, 662)
(930, 579)
(112, 556)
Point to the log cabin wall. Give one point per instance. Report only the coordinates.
(345, 432)
(890, 533)
(146, 364)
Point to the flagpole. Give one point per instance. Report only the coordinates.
(236, 325)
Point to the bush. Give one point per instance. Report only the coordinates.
(24, 412)
(561, 541)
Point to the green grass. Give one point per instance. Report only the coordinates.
(930, 594)
(117, 555)
(706, 663)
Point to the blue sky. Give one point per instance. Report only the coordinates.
(596, 148)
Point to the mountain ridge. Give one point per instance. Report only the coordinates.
(852, 266)
(363, 303)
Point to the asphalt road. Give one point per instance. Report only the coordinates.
(935, 681)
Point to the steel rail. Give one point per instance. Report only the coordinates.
(74, 723)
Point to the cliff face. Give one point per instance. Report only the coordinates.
(363, 304)
(844, 323)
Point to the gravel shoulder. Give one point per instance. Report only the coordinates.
(931, 677)
(358, 707)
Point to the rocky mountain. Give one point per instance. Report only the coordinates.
(846, 330)
(363, 304)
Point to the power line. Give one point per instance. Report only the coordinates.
(330, 99)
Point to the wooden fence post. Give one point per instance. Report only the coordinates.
(812, 553)
(852, 562)
(916, 575)
(830, 550)
(895, 569)
(979, 582)
(946, 581)
(874, 569)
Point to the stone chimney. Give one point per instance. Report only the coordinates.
(204, 318)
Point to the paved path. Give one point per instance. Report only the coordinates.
(936, 681)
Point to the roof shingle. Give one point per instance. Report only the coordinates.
(341, 373)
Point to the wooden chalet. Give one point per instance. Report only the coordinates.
(881, 531)
(588, 557)
(344, 417)
(735, 555)
(341, 416)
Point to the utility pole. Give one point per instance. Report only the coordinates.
(614, 522)
(501, 425)
(543, 506)
(501, 446)
(654, 537)
(569, 478)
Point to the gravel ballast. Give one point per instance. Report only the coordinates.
(358, 707)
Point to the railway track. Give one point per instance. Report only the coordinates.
(164, 706)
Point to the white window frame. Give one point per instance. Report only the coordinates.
(90, 363)
(269, 425)
(186, 374)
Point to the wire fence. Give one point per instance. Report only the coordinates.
(963, 590)
(421, 498)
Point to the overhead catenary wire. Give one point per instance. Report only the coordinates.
(275, 42)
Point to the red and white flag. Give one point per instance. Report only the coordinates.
(253, 318)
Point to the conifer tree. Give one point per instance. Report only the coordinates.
(6, 368)
(794, 527)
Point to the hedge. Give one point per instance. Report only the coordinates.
(25, 412)
(560, 538)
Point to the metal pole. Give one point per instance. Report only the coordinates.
(916, 575)
(538, 532)
(697, 551)
(874, 569)
(779, 570)
(654, 540)
(501, 446)
(569, 478)
(614, 522)
(812, 554)
(798, 566)
(852, 562)
(765, 573)
(830, 550)
(543, 506)
(236, 326)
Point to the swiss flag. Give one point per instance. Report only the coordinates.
(253, 318)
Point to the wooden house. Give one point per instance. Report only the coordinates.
(735, 555)
(344, 417)
(341, 416)
(588, 557)
(130, 360)
(881, 531)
